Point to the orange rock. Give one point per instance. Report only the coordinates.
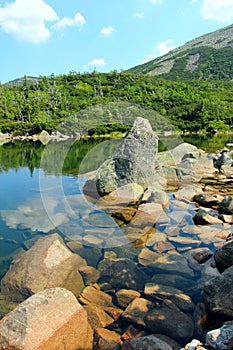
(49, 320)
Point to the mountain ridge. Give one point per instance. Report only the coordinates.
(204, 57)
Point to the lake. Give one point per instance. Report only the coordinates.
(41, 191)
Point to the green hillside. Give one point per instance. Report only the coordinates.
(83, 101)
(209, 57)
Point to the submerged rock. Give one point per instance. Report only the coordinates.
(125, 296)
(167, 319)
(160, 291)
(49, 263)
(149, 342)
(123, 274)
(137, 310)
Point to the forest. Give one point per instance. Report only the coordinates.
(76, 99)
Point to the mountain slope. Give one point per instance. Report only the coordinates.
(22, 81)
(208, 57)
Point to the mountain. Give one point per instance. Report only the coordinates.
(208, 57)
(22, 81)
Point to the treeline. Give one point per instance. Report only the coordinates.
(75, 99)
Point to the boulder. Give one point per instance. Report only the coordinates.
(128, 163)
(178, 153)
(221, 338)
(218, 293)
(49, 263)
(123, 273)
(170, 175)
(167, 319)
(155, 237)
(224, 256)
(149, 342)
(97, 317)
(185, 241)
(200, 317)
(51, 319)
(160, 291)
(129, 193)
(226, 206)
(187, 193)
(207, 200)
(156, 195)
(203, 217)
(132, 332)
(125, 296)
(147, 257)
(186, 174)
(105, 339)
(174, 263)
(91, 254)
(170, 279)
(124, 214)
(89, 274)
(211, 235)
(174, 344)
(137, 310)
(92, 295)
(201, 255)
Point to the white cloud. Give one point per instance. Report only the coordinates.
(25, 20)
(97, 62)
(107, 31)
(77, 21)
(218, 10)
(139, 15)
(156, 1)
(162, 48)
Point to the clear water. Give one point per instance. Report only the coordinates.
(40, 191)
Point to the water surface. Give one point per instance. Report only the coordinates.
(41, 193)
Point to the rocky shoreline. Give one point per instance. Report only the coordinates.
(167, 284)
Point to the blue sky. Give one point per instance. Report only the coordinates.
(41, 37)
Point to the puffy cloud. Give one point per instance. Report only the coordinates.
(107, 31)
(162, 48)
(77, 21)
(25, 20)
(97, 62)
(217, 10)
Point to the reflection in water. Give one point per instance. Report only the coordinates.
(38, 198)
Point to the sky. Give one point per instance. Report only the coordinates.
(44, 37)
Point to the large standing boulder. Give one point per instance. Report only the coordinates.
(134, 160)
(218, 293)
(49, 320)
(49, 263)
